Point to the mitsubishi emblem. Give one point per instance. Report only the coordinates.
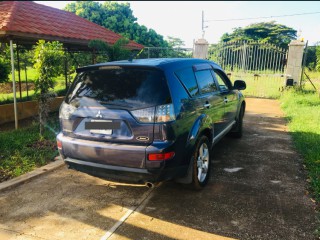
(99, 115)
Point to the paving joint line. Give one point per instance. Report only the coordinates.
(142, 202)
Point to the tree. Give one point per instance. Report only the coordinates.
(271, 32)
(175, 42)
(111, 53)
(5, 67)
(175, 48)
(47, 63)
(119, 18)
(4, 71)
(318, 57)
(311, 60)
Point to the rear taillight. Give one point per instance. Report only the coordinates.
(160, 156)
(59, 144)
(158, 114)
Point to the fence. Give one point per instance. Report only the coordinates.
(261, 65)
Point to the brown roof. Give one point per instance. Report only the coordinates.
(26, 22)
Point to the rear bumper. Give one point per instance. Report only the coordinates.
(148, 171)
(132, 175)
(112, 172)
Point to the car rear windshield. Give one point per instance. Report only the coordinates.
(125, 87)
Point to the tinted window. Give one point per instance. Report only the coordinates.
(205, 81)
(222, 81)
(187, 77)
(125, 87)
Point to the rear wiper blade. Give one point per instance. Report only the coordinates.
(115, 104)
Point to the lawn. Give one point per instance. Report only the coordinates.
(23, 150)
(6, 98)
(302, 110)
(263, 85)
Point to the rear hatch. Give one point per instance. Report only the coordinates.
(114, 109)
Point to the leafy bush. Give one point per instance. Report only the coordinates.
(318, 57)
(4, 71)
(48, 58)
(23, 150)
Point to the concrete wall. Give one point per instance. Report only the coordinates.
(25, 109)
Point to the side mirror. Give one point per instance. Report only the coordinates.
(240, 85)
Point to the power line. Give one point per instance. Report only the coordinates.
(238, 19)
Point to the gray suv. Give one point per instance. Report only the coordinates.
(149, 120)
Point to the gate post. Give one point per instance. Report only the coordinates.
(200, 49)
(294, 61)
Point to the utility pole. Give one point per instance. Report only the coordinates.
(202, 24)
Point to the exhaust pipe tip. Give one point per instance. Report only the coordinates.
(149, 185)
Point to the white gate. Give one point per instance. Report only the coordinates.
(261, 65)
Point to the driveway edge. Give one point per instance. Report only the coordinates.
(31, 175)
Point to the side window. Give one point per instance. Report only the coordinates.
(205, 81)
(223, 82)
(188, 79)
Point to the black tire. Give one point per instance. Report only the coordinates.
(201, 162)
(238, 130)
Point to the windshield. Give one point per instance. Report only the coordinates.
(123, 87)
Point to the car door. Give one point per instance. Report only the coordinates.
(228, 95)
(209, 99)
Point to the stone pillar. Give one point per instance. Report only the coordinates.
(294, 61)
(201, 49)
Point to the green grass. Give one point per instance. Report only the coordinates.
(6, 98)
(265, 85)
(23, 150)
(31, 75)
(302, 110)
(315, 78)
(270, 84)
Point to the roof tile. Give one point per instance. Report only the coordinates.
(33, 18)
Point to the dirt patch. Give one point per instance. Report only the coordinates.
(7, 87)
(43, 144)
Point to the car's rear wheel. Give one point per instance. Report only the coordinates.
(201, 163)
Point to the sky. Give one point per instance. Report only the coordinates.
(183, 19)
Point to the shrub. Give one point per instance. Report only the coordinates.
(4, 71)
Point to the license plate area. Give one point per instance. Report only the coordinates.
(97, 126)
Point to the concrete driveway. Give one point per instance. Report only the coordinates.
(257, 191)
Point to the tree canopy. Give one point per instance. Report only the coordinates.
(271, 32)
(175, 42)
(117, 17)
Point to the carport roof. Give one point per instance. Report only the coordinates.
(26, 22)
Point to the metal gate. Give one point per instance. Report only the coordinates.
(261, 65)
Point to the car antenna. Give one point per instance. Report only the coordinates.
(134, 55)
